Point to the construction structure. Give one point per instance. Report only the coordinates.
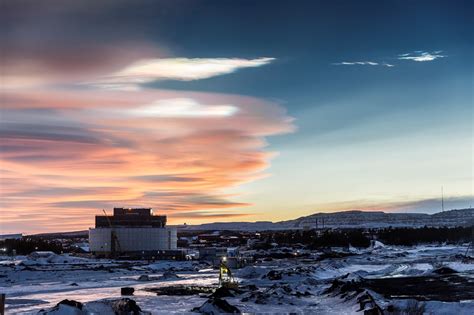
(132, 232)
(226, 279)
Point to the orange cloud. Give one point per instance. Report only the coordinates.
(68, 153)
(71, 147)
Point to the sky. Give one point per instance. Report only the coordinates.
(233, 110)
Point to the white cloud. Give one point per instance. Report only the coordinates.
(422, 56)
(181, 108)
(362, 63)
(182, 69)
(418, 55)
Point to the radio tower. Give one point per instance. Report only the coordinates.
(442, 199)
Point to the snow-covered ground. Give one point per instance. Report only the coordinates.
(296, 285)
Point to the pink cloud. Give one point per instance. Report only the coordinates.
(66, 154)
(69, 148)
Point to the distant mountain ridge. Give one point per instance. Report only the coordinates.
(342, 219)
(350, 219)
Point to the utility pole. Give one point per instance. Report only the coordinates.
(442, 199)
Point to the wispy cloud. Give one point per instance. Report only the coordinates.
(418, 55)
(176, 151)
(72, 130)
(180, 107)
(182, 69)
(422, 56)
(183, 107)
(362, 63)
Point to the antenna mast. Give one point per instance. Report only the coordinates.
(442, 199)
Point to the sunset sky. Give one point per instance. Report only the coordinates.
(232, 110)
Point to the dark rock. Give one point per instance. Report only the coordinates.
(127, 291)
(222, 292)
(342, 287)
(368, 304)
(181, 290)
(273, 275)
(333, 254)
(444, 271)
(440, 286)
(70, 303)
(125, 307)
(215, 306)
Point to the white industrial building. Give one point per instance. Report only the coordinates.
(131, 231)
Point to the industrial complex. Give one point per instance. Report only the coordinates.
(132, 231)
(265, 271)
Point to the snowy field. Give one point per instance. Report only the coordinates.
(344, 283)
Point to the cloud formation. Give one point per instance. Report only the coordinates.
(362, 63)
(181, 107)
(75, 139)
(65, 154)
(419, 56)
(183, 69)
(422, 56)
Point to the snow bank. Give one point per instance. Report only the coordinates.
(410, 306)
(45, 258)
(460, 266)
(169, 275)
(378, 245)
(251, 272)
(172, 265)
(104, 307)
(278, 294)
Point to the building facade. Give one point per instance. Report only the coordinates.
(131, 231)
